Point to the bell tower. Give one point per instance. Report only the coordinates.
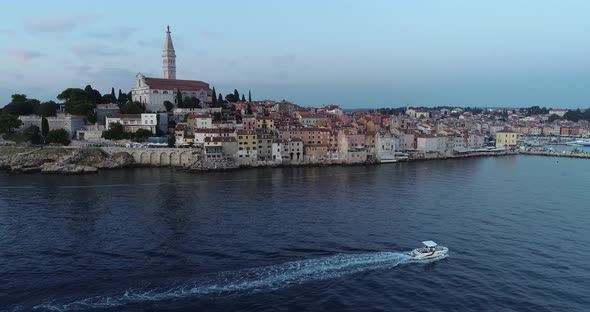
(169, 57)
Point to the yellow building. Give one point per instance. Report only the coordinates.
(505, 139)
(265, 125)
(247, 144)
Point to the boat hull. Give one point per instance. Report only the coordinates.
(421, 254)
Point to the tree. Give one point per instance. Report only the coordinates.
(236, 95)
(132, 108)
(21, 105)
(214, 98)
(32, 135)
(232, 97)
(93, 96)
(249, 96)
(115, 132)
(9, 122)
(179, 98)
(190, 102)
(217, 116)
(552, 118)
(77, 101)
(91, 117)
(59, 136)
(220, 100)
(46, 109)
(44, 127)
(169, 106)
(243, 98)
(113, 92)
(141, 135)
(123, 97)
(171, 140)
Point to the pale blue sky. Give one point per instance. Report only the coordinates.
(354, 53)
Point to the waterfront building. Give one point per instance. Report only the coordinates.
(430, 143)
(153, 92)
(280, 150)
(220, 147)
(247, 143)
(134, 122)
(316, 153)
(505, 139)
(70, 123)
(264, 146)
(386, 145)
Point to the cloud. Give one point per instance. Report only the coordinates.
(117, 33)
(23, 55)
(91, 49)
(63, 24)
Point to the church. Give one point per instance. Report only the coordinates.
(153, 92)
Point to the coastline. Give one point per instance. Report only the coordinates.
(74, 160)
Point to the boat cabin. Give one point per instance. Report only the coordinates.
(429, 246)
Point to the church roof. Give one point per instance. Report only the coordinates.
(176, 84)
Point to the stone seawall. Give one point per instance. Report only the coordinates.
(554, 154)
(157, 157)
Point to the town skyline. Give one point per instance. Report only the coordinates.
(540, 62)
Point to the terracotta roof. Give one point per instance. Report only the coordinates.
(172, 84)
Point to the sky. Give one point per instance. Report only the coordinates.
(357, 54)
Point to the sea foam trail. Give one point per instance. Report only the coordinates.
(252, 280)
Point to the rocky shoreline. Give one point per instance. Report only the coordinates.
(61, 160)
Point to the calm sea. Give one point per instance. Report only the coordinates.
(292, 239)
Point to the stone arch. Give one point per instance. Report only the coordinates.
(164, 159)
(185, 159)
(136, 156)
(174, 159)
(154, 159)
(144, 158)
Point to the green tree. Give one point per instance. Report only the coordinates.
(32, 135)
(141, 135)
(217, 116)
(190, 102)
(44, 127)
(249, 96)
(77, 101)
(552, 118)
(21, 105)
(93, 96)
(236, 95)
(220, 100)
(115, 132)
(46, 109)
(132, 108)
(243, 98)
(214, 98)
(171, 140)
(169, 106)
(113, 92)
(59, 136)
(91, 117)
(232, 98)
(9, 122)
(249, 109)
(179, 99)
(123, 97)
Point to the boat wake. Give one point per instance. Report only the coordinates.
(252, 280)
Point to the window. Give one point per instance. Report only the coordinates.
(165, 92)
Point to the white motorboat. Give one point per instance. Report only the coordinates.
(429, 251)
